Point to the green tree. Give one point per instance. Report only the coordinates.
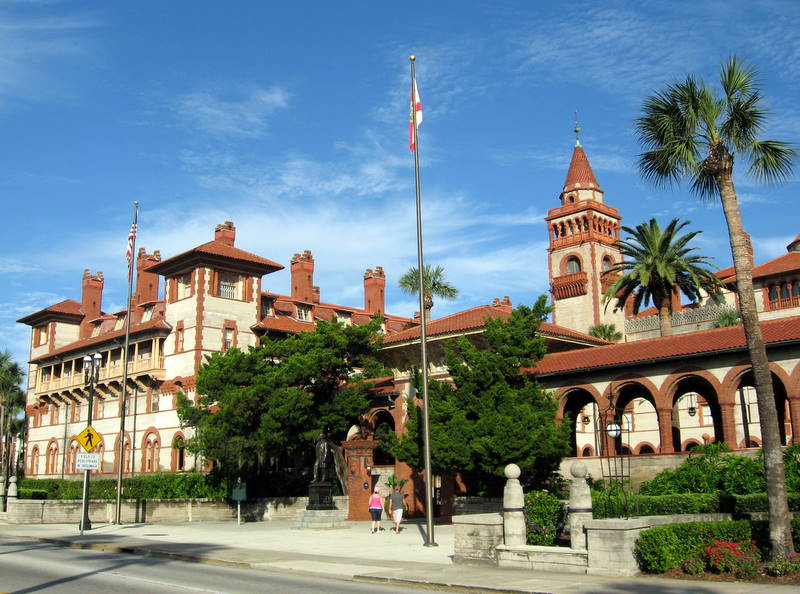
(658, 264)
(273, 400)
(692, 133)
(433, 285)
(12, 407)
(729, 316)
(606, 332)
(491, 415)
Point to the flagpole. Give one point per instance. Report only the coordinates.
(426, 435)
(124, 395)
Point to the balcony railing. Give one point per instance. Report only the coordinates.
(152, 365)
(569, 285)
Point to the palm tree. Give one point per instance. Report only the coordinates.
(692, 133)
(729, 316)
(433, 285)
(607, 332)
(12, 400)
(659, 264)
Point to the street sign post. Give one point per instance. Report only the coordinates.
(239, 494)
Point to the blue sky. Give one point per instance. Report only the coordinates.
(292, 121)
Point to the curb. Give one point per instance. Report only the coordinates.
(441, 585)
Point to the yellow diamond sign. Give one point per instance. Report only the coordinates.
(88, 438)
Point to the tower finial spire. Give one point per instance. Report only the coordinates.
(577, 130)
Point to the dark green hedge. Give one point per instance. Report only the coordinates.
(608, 505)
(661, 548)
(190, 485)
(32, 494)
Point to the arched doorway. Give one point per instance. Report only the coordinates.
(696, 414)
(635, 412)
(582, 412)
(748, 426)
(383, 422)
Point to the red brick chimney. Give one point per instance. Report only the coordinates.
(225, 233)
(374, 285)
(303, 277)
(91, 301)
(146, 282)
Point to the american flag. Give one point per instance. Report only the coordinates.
(131, 240)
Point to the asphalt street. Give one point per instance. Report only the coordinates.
(31, 566)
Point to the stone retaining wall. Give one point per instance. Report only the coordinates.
(477, 537)
(33, 511)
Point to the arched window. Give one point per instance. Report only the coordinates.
(607, 263)
(99, 450)
(796, 289)
(74, 448)
(785, 291)
(150, 453)
(573, 265)
(51, 459)
(35, 460)
(773, 293)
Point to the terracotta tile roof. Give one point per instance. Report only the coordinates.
(580, 172)
(782, 264)
(68, 307)
(475, 318)
(215, 250)
(158, 324)
(670, 347)
(282, 323)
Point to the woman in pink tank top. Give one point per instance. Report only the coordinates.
(375, 509)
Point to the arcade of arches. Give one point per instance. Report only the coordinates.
(688, 409)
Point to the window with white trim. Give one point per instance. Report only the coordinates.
(228, 285)
(304, 313)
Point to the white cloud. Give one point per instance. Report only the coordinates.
(31, 48)
(246, 115)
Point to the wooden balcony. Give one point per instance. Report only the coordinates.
(150, 365)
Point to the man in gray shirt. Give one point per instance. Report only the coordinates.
(396, 508)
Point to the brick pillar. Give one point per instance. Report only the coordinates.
(728, 422)
(794, 413)
(665, 431)
(359, 457)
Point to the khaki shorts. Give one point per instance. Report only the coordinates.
(397, 515)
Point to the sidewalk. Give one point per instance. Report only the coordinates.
(348, 553)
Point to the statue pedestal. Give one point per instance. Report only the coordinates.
(320, 496)
(320, 519)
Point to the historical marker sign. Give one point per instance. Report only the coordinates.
(239, 492)
(84, 461)
(88, 438)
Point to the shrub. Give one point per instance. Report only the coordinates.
(785, 565)
(32, 493)
(615, 506)
(694, 565)
(739, 558)
(190, 485)
(544, 517)
(661, 548)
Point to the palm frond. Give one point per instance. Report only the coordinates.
(705, 184)
(737, 79)
(771, 160)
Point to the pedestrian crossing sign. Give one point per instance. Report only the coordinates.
(88, 438)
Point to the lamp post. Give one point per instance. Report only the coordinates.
(91, 373)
